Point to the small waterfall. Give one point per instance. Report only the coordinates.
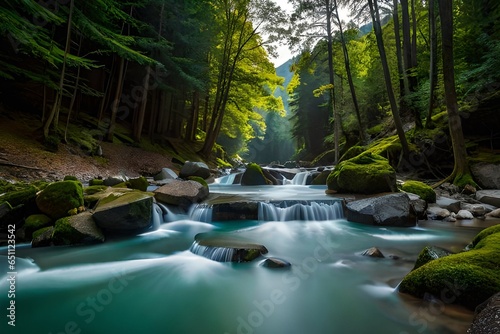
(156, 216)
(171, 213)
(227, 179)
(219, 254)
(287, 211)
(300, 178)
(201, 213)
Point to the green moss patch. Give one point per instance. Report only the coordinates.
(65, 234)
(365, 174)
(60, 197)
(421, 189)
(199, 180)
(467, 278)
(139, 183)
(253, 176)
(34, 223)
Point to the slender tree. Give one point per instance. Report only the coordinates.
(461, 171)
(433, 74)
(387, 76)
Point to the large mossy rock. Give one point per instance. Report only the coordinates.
(124, 212)
(77, 230)
(421, 189)
(253, 176)
(60, 197)
(364, 174)
(467, 278)
(387, 210)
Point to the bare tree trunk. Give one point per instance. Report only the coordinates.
(403, 80)
(54, 114)
(433, 76)
(142, 109)
(461, 167)
(116, 101)
(75, 92)
(387, 76)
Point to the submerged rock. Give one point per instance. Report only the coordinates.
(124, 211)
(373, 252)
(387, 210)
(274, 262)
(226, 249)
(364, 174)
(467, 278)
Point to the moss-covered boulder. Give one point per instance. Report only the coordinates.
(430, 253)
(139, 183)
(77, 230)
(42, 237)
(253, 176)
(34, 223)
(124, 212)
(60, 197)
(467, 278)
(421, 189)
(364, 174)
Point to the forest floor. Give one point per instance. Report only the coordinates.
(23, 157)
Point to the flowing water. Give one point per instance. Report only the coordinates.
(153, 283)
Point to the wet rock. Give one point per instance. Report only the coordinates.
(450, 204)
(139, 183)
(253, 176)
(34, 223)
(42, 237)
(495, 213)
(112, 181)
(77, 230)
(475, 209)
(235, 211)
(487, 175)
(420, 207)
(226, 249)
(124, 211)
(181, 193)
(487, 317)
(165, 174)
(387, 210)
(430, 253)
(60, 197)
(274, 262)
(194, 168)
(491, 197)
(435, 212)
(464, 214)
(373, 252)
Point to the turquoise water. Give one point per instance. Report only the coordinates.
(152, 283)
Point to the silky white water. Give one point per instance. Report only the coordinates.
(152, 283)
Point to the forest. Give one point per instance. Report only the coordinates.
(199, 72)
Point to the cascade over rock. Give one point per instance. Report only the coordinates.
(226, 249)
(387, 210)
(124, 211)
(182, 193)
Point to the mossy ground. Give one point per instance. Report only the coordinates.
(467, 278)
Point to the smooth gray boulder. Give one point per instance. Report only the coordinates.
(491, 197)
(487, 317)
(487, 175)
(181, 193)
(124, 212)
(386, 210)
(165, 174)
(194, 168)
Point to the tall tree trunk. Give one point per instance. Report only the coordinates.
(461, 167)
(116, 100)
(403, 80)
(54, 114)
(75, 91)
(331, 73)
(142, 109)
(387, 76)
(349, 74)
(433, 75)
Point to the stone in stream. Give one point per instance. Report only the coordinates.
(182, 193)
(491, 197)
(226, 249)
(274, 262)
(373, 252)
